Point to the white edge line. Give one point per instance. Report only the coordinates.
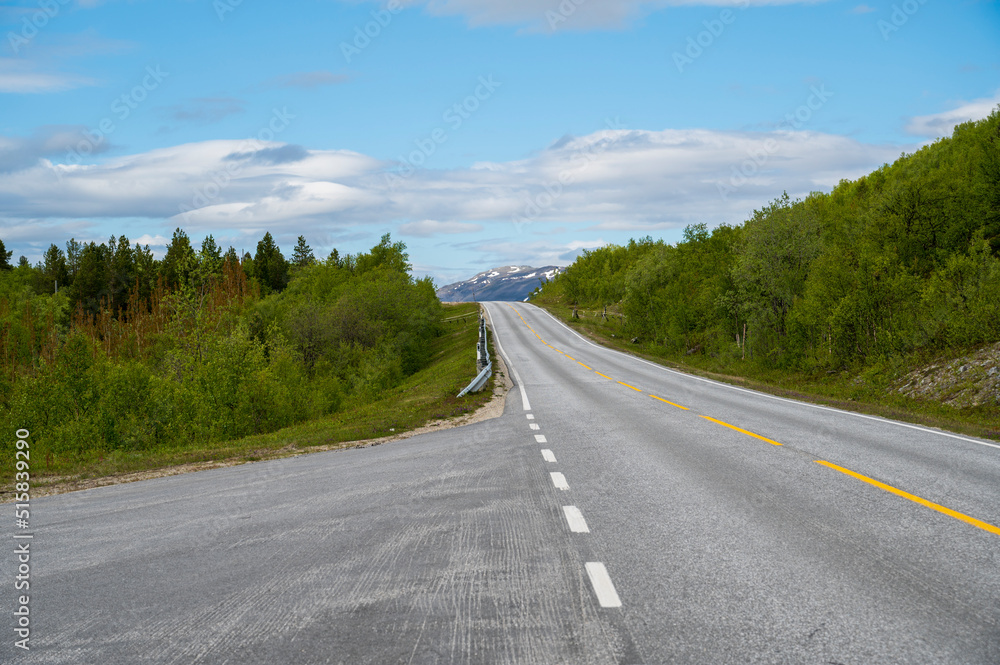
(603, 586)
(517, 377)
(575, 520)
(769, 396)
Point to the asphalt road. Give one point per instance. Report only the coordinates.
(618, 512)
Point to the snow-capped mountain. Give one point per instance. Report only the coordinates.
(504, 283)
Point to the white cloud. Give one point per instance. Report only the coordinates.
(942, 124)
(151, 240)
(430, 227)
(21, 76)
(612, 180)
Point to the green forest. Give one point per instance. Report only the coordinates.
(106, 349)
(900, 264)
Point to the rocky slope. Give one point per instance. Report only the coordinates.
(971, 380)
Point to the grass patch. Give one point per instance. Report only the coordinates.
(425, 396)
(866, 391)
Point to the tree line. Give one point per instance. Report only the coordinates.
(903, 260)
(105, 348)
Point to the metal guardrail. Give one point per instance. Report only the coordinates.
(483, 362)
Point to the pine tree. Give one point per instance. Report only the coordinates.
(270, 266)
(210, 257)
(303, 255)
(5, 257)
(179, 260)
(73, 251)
(54, 268)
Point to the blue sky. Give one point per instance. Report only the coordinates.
(479, 132)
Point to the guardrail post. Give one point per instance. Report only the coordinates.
(482, 352)
(483, 364)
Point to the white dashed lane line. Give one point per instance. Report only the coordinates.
(575, 520)
(603, 587)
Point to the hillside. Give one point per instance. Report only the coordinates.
(882, 291)
(511, 283)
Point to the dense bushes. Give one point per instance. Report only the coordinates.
(904, 259)
(207, 359)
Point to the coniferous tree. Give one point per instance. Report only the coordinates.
(210, 257)
(179, 261)
(248, 266)
(91, 282)
(269, 265)
(145, 270)
(121, 272)
(303, 255)
(5, 257)
(54, 269)
(73, 251)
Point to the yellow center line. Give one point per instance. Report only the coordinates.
(604, 375)
(669, 402)
(916, 499)
(632, 387)
(555, 349)
(743, 431)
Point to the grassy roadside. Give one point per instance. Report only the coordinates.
(868, 392)
(429, 395)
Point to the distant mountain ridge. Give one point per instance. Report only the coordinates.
(504, 283)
